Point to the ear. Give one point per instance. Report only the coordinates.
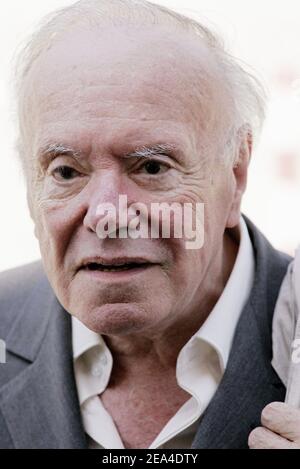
(240, 174)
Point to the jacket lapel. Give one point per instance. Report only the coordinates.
(248, 385)
(249, 382)
(40, 405)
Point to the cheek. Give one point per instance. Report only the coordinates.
(54, 230)
(218, 204)
(188, 267)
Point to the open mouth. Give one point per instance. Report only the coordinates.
(95, 266)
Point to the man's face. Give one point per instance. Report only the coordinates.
(104, 95)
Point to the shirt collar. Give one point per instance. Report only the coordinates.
(83, 339)
(218, 329)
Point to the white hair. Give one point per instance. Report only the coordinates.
(244, 90)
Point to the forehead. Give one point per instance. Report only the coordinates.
(119, 80)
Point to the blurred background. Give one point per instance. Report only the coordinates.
(264, 34)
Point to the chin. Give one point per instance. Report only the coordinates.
(117, 319)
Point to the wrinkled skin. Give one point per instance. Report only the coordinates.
(280, 428)
(102, 96)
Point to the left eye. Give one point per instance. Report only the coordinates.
(65, 172)
(155, 167)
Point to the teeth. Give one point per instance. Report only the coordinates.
(113, 269)
(93, 266)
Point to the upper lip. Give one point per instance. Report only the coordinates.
(116, 261)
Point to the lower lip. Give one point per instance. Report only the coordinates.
(117, 275)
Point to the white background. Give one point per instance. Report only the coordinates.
(263, 33)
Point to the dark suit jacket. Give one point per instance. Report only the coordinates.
(39, 406)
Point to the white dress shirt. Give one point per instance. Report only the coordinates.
(200, 364)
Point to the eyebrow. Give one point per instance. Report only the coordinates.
(53, 150)
(153, 150)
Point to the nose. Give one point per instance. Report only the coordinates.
(103, 199)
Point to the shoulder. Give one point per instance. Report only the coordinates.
(19, 276)
(271, 265)
(16, 285)
(264, 249)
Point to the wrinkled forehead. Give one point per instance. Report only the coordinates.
(149, 70)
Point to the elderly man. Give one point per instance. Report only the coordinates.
(136, 343)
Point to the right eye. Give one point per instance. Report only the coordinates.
(65, 173)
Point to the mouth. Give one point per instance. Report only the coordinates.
(116, 265)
